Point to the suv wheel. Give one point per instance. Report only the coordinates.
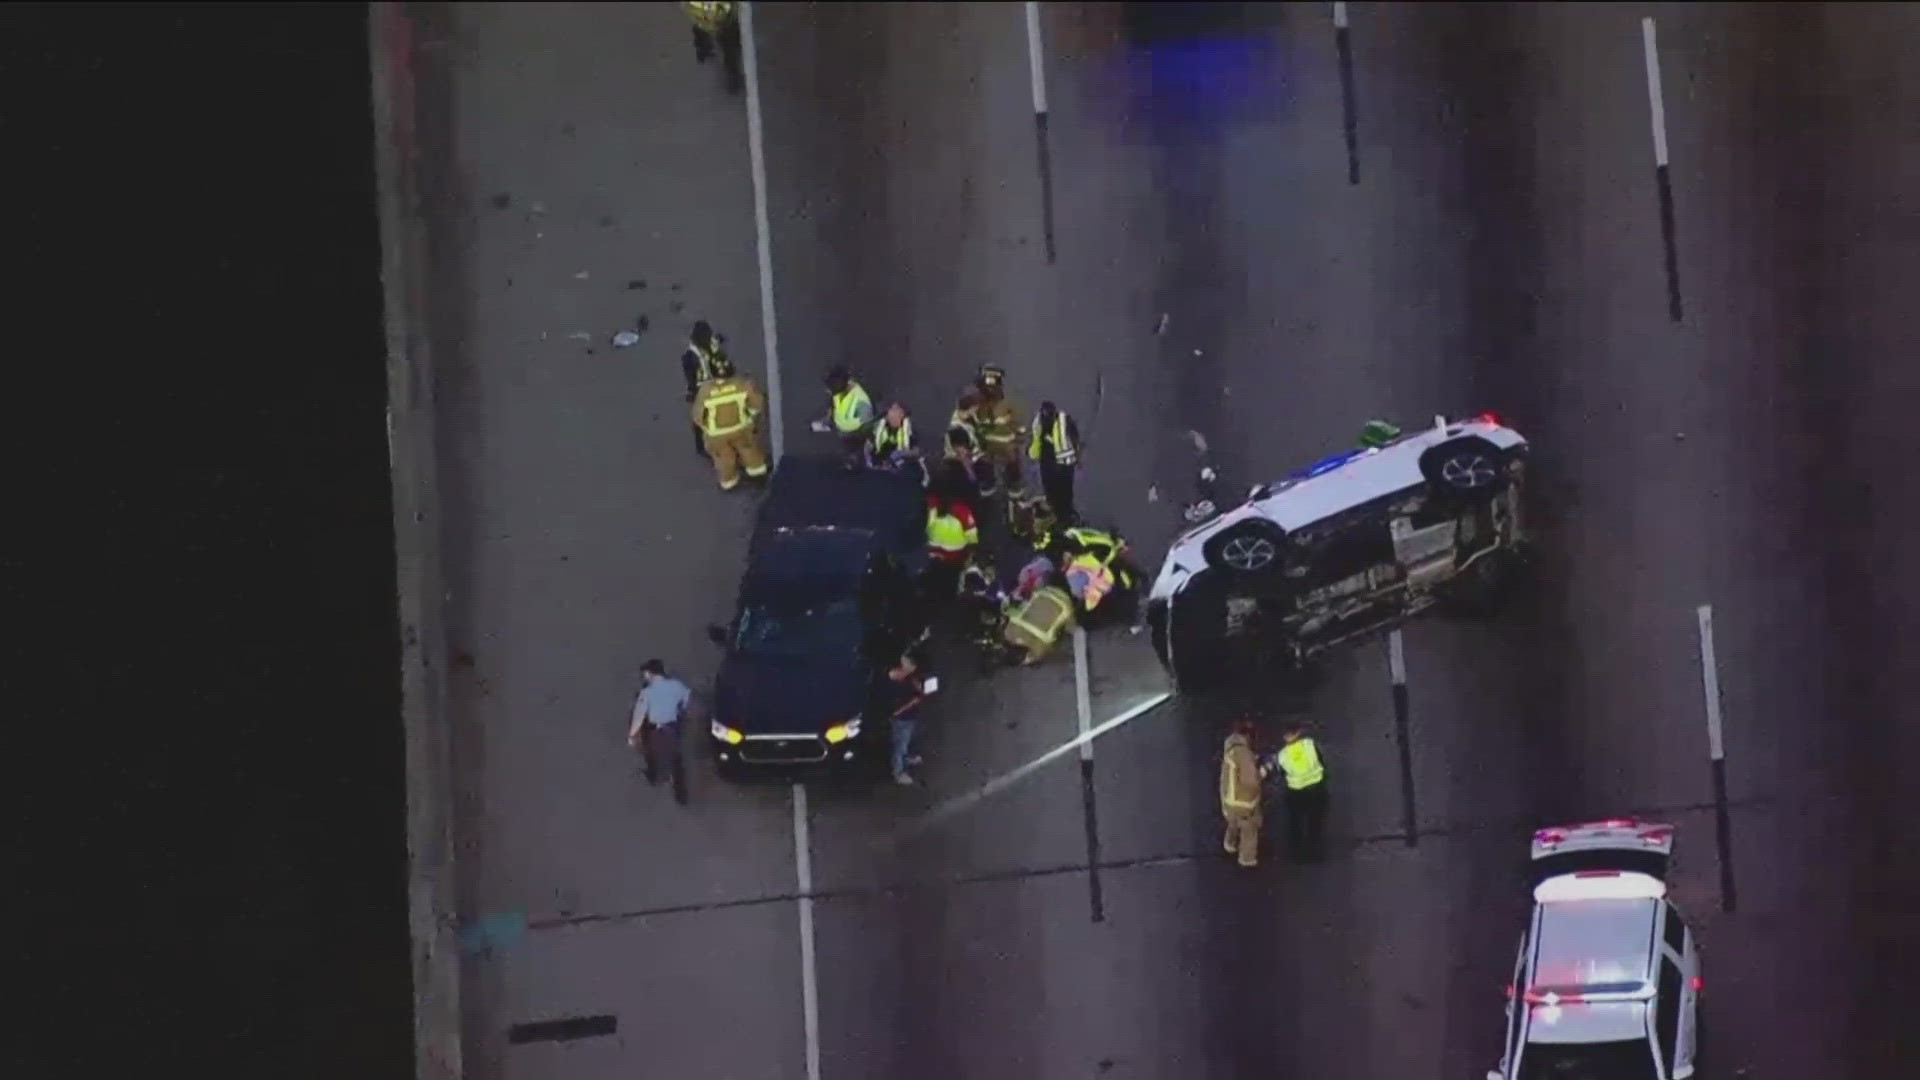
(1250, 547)
(1469, 470)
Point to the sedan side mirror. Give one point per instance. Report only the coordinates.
(717, 634)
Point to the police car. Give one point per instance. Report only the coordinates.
(1351, 545)
(1606, 985)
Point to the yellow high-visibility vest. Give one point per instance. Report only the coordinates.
(1300, 764)
(725, 392)
(1063, 449)
(1028, 618)
(846, 408)
(946, 533)
(1108, 544)
(1099, 579)
(709, 16)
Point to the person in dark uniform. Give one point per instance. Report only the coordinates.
(1305, 775)
(1054, 442)
(716, 28)
(705, 352)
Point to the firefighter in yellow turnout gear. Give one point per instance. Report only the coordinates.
(727, 410)
(1240, 795)
(997, 425)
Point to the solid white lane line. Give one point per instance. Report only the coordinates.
(1340, 16)
(777, 436)
(1397, 658)
(1649, 41)
(756, 149)
(1710, 684)
(809, 973)
(1036, 67)
(1082, 692)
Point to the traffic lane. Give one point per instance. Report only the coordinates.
(1277, 297)
(1801, 318)
(1185, 928)
(681, 989)
(1200, 187)
(905, 214)
(570, 497)
(1521, 272)
(904, 203)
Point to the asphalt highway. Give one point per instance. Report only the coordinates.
(1221, 266)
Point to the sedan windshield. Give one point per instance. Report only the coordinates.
(798, 629)
(1629, 1060)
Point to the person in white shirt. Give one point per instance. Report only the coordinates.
(655, 728)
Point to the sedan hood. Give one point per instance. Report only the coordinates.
(769, 695)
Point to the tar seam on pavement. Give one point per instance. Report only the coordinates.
(565, 1029)
(1139, 862)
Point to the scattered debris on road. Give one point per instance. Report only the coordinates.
(502, 201)
(580, 276)
(625, 339)
(637, 284)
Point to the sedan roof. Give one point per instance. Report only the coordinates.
(812, 492)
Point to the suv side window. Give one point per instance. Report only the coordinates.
(1666, 1014)
(1676, 930)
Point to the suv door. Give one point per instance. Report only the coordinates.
(1666, 1012)
(1516, 988)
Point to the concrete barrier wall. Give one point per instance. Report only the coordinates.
(421, 593)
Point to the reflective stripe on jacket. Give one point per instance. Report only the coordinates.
(705, 360)
(1063, 449)
(887, 439)
(1104, 546)
(1035, 618)
(1239, 776)
(997, 422)
(724, 408)
(847, 406)
(1300, 764)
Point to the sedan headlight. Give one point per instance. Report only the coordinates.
(725, 734)
(840, 733)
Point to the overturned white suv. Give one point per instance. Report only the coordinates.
(1351, 545)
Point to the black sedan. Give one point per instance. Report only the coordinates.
(827, 605)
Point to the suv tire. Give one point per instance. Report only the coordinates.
(1468, 470)
(1247, 548)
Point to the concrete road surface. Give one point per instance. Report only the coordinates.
(1218, 269)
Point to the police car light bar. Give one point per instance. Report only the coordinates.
(1599, 885)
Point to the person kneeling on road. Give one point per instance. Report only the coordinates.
(1034, 627)
(982, 603)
